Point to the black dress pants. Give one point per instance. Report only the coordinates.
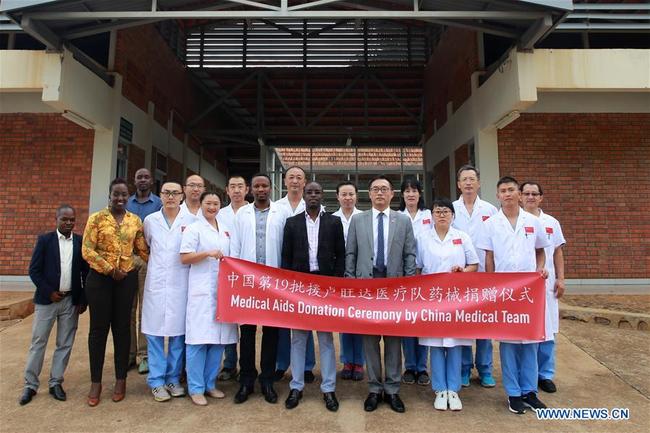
(110, 304)
(269, 352)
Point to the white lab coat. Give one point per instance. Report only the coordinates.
(165, 288)
(201, 325)
(473, 224)
(514, 250)
(243, 241)
(553, 233)
(346, 222)
(436, 256)
(422, 222)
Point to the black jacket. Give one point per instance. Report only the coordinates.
(331, 245)
(45, 269)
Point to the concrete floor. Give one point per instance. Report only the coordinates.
(582, 380)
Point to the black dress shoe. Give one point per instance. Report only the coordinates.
(28, 393)
(269, 393)
(293, 399)
(58, 393)
(309, 377)
(395, 402)
(243, 393)
(372, 401)
(331, 403)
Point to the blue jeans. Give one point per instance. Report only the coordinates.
(483, 358)
(351, 349)
(519, 368)
(415, 355)
(165, 369)
(284, 351)
(546, 359)
(202, 366)
(299, 339)
(445, 368)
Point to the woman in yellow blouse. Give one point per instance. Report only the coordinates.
(111, 237)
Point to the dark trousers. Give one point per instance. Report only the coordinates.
(110, 304)
(269, 352)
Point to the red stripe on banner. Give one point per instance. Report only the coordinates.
(505, 306)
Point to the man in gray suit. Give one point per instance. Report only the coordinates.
(380, 244)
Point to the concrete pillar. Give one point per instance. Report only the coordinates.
(487, 161)
(104, 165)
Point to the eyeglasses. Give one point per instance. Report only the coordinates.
(530, 194)
(468, 179)
(383, 189)
(171, 194)
(195, 186)
(442, 213)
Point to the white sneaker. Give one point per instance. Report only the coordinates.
(454, 401)
(160, 394)
(440, 403)
(175, 389)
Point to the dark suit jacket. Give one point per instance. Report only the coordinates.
(331, 245)
(45, 269)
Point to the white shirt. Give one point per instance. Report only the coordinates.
(346, 222)
(65, 252)
(227, 215)
(187, 209)
(312, 239)
(284, 201)
(165, 288)
(375, 233)
(422, 222)
(554, 234)
(201, 325)
(514, 249)
(473, 224)
(435, 255)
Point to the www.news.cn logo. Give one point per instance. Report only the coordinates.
(584, 413)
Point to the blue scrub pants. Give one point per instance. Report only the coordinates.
(519, 368)
(202, 366)
(165, 369)
(483, 361)
(546, 360)
(445, 368)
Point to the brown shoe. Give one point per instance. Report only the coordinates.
(119, 390)
(94, 394)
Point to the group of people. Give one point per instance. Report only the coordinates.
(175, 243)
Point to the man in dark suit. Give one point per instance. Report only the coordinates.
(381, 244)
(59, 274)
(313, 243)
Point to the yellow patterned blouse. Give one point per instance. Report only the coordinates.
(108, 245)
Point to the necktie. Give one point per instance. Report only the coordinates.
(381, 261)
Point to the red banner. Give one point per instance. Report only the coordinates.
(505, 306)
